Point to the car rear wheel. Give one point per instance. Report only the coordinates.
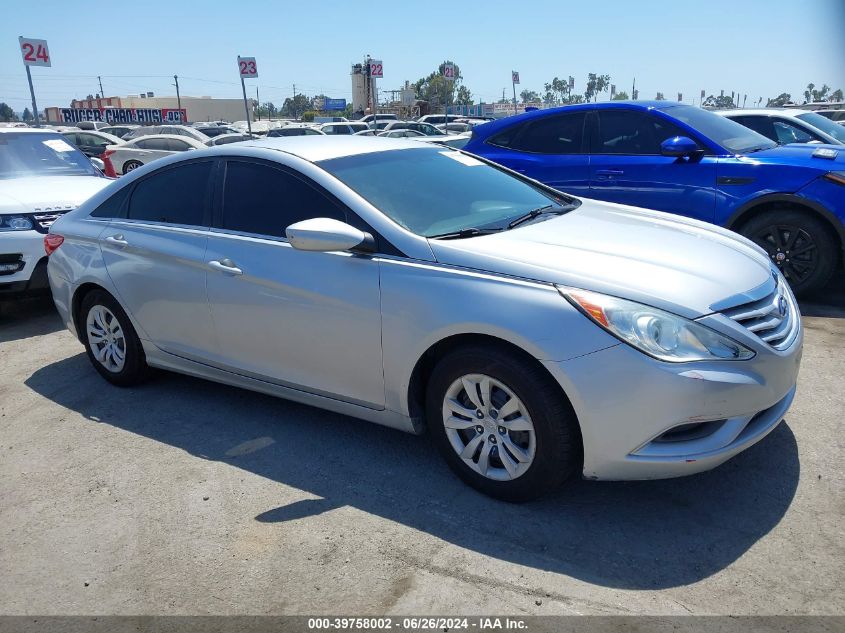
(112, 344)
(129, 165)
(801, 246)
(501, 423)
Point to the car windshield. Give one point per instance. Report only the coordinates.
(438, 191)
(824, 124)
(734, 137)
(34, 154)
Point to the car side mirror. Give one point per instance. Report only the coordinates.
(99, 164)
(679, 146)
(326, 234)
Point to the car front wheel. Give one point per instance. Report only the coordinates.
(501, 423)
(801, 246)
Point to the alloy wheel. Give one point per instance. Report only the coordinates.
(106, 338)
(489, 427)
(791, 248)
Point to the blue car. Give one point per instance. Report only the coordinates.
(681, 159)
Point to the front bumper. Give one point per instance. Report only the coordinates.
(27, 248)
(626, 403)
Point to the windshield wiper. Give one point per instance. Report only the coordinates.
(530, 215)
(456, 235)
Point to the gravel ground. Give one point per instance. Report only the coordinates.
(186, 497)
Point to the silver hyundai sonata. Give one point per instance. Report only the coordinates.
(532, 334)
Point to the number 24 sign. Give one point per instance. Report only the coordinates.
(247, 67)
(34, 52)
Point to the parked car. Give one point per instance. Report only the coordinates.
(120, 131)
(225, 139)
(689, 161)
(294, 130)
(346, 128)
(438, 119)
(368, 119)
(455, 141)
(171, 130)
(214, 130)
(139, 151)
(420, 287)
(788, 125)
(400, 134)
(91, 125)
(423, 128)
(454, 128)
(42, 177)
(91, 143)
(367, 133)
(837, 116)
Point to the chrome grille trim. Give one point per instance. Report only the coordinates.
(44, 219)
(762, 317)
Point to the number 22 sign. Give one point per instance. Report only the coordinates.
(34, 52)
(247, 67)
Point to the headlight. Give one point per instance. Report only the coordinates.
(15, 223)
(660, 334)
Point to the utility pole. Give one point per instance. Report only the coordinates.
(257, 104)
(102, 94)
(634, 90)
(293, 103)
(178, 98)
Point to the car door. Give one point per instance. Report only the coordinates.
(307, 320)
(155, 255)
(626, 165)
(551, 149)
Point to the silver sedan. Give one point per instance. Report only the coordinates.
(534, 335)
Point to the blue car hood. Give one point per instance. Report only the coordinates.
(801, 155)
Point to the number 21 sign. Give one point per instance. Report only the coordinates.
(34, 52)
(247, 67)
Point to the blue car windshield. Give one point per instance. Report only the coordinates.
(25, 154)
(734, 137)
(436, 191)
(825, 125)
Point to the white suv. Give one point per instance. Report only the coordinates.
(42, 177)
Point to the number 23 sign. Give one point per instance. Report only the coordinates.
(247, 67)
(34, 52)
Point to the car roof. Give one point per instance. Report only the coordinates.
(321, 147)
(789, 112)
(178, 137)
(28, 129)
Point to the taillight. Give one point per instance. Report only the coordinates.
(109, 168)
(52, 241)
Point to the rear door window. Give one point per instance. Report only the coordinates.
(176, 195)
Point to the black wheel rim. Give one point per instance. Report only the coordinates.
(791, 248)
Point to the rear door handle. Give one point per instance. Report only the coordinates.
(117, 240)
(225, 265)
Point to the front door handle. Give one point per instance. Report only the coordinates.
(225, 265)
(117, 240)
(609, 172)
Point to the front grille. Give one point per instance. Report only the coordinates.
(774, 318)
(43, 220)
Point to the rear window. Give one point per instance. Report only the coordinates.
(178, 195)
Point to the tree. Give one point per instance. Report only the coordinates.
(660, 97)
(782, 99)
(437, 90)
(836, 95)
(529, 96)
(621, 96)
(464, 97)
(267, 110)
(596, 84)
(294, 107)
(811, 94)
(722, 101)
(6, 113)
(557, 91)
(27, 115)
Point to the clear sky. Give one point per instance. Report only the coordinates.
(756, 47)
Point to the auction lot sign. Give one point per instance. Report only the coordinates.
(124, 115)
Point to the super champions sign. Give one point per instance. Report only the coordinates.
(124, 115)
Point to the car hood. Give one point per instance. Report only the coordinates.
(677, 264)
(802, 155)
(47, 193)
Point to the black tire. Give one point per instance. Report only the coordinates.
(558, 446)
(802, 246)
(134, 369)
(129, 165)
